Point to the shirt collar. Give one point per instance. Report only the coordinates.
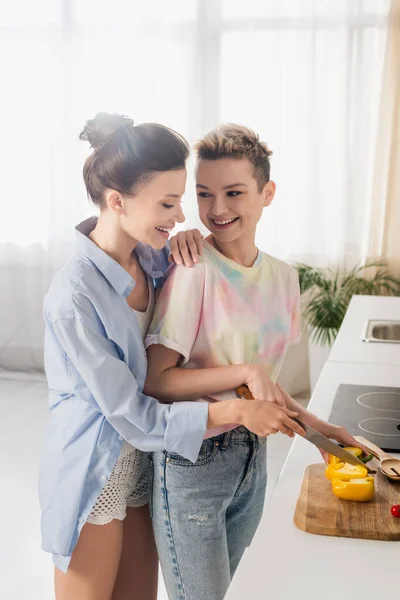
(122, 282)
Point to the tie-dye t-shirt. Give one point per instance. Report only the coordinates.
(220, 313)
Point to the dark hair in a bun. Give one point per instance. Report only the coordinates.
(126, 155)
(99, 129)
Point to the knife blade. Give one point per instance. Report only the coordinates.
(331, 447)
(315, 437)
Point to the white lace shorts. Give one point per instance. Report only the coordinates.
(127, 486)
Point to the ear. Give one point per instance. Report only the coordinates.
(269, 192)
(115, 202)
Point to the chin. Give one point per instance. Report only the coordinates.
(226, 239)
(226, 236)
(157, 242)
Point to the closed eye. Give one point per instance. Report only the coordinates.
(168, 205)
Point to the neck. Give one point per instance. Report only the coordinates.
(108, 236)
(242, 251)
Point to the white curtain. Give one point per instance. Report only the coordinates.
(305, 74)
(385, 210)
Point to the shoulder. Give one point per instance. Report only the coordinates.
(74, 286)
(190, 274)
(183, 283)
(279, 269)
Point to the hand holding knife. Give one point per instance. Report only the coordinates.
(316, 438)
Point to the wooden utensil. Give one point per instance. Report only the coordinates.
(320, 512)
(389, 465)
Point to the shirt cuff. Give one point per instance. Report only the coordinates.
(186, 428)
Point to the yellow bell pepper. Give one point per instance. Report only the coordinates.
(355, 490)
(356, 451)
(345, 472)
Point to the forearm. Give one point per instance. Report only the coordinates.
(177, 384)
(303, 414)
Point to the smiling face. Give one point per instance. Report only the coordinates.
(150, 215)
(230, 204)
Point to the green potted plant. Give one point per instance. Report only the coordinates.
(326, 295)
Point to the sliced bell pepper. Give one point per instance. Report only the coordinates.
(355, 490)
(345, 472)
(356, 451)
(359, 453)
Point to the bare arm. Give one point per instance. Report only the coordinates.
(169, 383)
(329, 430)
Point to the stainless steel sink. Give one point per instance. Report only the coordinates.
(387, 332)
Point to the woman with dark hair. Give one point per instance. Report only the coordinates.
(94, 471)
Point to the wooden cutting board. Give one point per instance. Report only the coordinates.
(319, 511)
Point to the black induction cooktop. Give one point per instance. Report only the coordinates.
(373, 412)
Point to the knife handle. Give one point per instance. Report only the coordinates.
(243, 392)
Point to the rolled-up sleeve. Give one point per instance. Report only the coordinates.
(178, 312)
(106, 382)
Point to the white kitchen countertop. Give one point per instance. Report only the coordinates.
(284, 563)
(349, 346)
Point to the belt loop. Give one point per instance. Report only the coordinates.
(226, 440)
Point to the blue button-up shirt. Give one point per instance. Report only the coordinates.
(96, 367)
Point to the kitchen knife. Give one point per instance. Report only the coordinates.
(315, 437)
(326, 444)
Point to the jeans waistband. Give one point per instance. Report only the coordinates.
(240, 434)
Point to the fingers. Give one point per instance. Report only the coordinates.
(184, 251)
(285, 430)
(198, 238)
(174, 251)
(193, 250)
(276, 397)
(265, 418)
(290, 413)
(280, 398)
(324, 455)
(190, 244)
(294, 426)
(186, 247)
(352, 442)
(285, 423)
(365, 450)
(342, 436)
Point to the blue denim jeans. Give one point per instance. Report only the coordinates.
(206, 514)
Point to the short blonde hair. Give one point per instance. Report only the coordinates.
(236, 141)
